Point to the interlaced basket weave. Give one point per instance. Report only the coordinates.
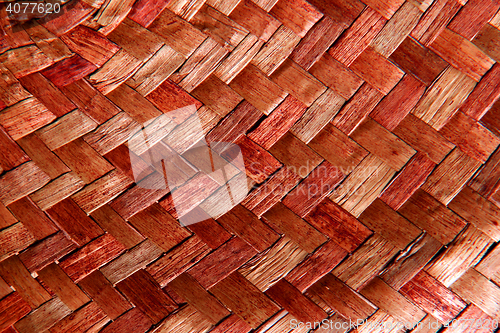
(369, 131)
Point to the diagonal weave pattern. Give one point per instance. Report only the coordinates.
(387, 109)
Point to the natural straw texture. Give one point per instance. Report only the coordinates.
(370, 133)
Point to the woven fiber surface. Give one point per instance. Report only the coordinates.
(368, 131)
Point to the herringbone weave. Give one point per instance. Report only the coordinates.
(369, 131)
